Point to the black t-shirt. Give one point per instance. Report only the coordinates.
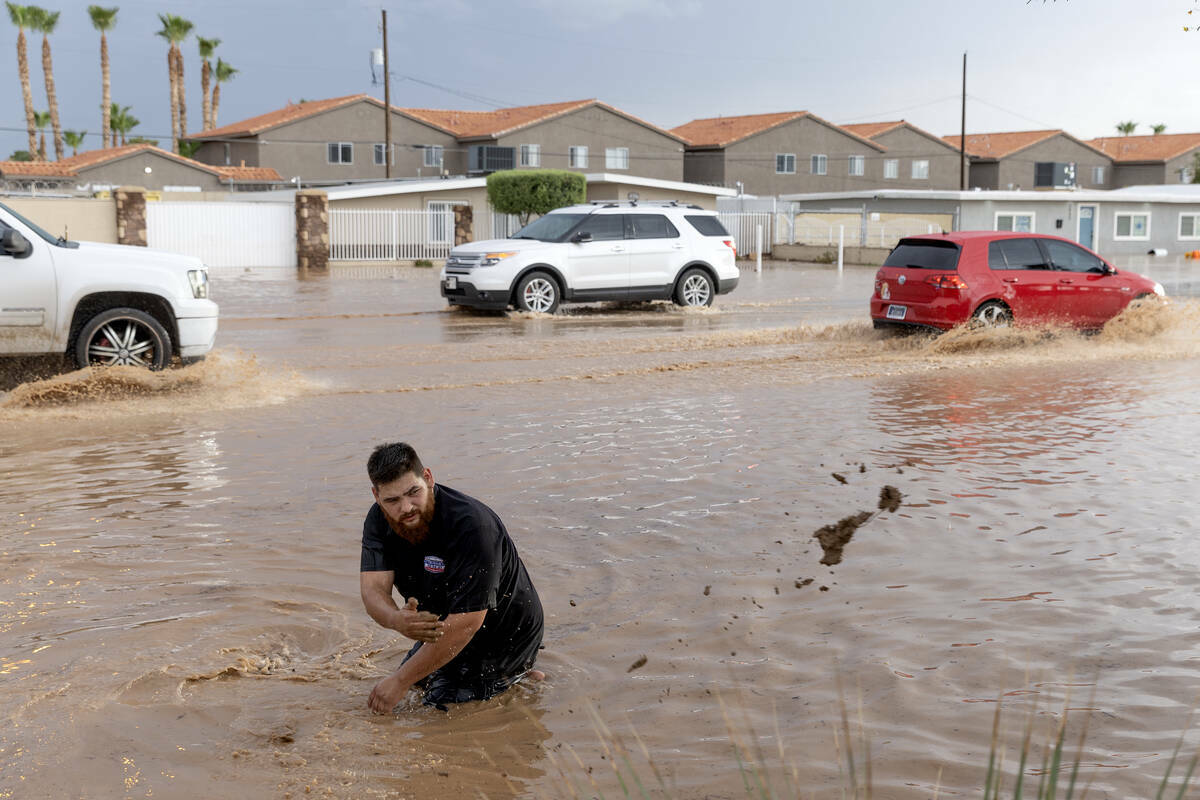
(466, 563)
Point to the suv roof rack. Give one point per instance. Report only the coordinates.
(670, 203)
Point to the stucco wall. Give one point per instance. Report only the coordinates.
(476, 197)
(706, 167)
(131, 171)
(651, 154)
(752, 160)
(1019, 169)
(906, 145)
(1139, 175)
(619, 192)
(80, 218)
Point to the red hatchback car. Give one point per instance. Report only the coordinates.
(943, 280)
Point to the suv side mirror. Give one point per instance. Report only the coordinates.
(15, 244)
(581, 237)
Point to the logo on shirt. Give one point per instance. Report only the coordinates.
(435, 565)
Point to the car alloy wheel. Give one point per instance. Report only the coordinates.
(993, 315)
(123, 337)
(538, 293)
(695, 289)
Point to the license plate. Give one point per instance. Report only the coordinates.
(897, 312)
(451, 283)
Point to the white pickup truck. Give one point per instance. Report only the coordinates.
(100, 304)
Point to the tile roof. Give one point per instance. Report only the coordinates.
(248, 174)
(724, 131)
(289, 113)
(1163, 147)
(46, 169)
(473, 124)
(992, 146)
(869, 130)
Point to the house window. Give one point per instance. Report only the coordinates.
(1053, 175)
(616, 158)
(531, 155)
(433, 155)
(378, 152)
(1189, 226)
(340, 152)
(920, 169)
(858, 165)
(228, 154)
(1131, 227)
(785, 163)
(577, 156)
(891, 168)
(1187, 175)
(819, 164)
(1015, 221)
(1098, 176)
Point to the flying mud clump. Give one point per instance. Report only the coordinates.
(834, 537)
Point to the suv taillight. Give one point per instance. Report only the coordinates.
(729, 243)
(946, 282)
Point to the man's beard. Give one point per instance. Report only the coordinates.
(415, 533)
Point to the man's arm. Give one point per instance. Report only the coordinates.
(459, 630)
(376, 589)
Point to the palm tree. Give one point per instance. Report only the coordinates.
(1126, 128)
(41, 119)
(1159, 128)
(122, 122)
(221, 74)
(74, 140)
(45, 22)
(20, 17)
(175, 29)
(104, 20)
(207, 46)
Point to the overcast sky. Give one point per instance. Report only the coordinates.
(1079, 65)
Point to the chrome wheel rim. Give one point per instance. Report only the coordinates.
(538, 295)
(695, 291)
(122, 342)
(993, 316)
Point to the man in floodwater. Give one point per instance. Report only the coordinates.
(470, 606)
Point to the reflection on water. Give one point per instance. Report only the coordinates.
(179, 603)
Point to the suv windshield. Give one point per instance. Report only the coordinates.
(917, 254)
(50, 238)
(550, 228)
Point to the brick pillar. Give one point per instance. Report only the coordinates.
(131, 215)
(312, 229)
(464, 225)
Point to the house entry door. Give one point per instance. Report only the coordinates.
(1087, 226)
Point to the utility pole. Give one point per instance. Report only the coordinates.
(962, 141)
(387, 106)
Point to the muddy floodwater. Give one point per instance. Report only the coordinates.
(179, 608)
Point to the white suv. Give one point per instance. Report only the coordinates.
(102, 304)
(602, 251)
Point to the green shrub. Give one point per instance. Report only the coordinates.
(422, 262)
(534, 191)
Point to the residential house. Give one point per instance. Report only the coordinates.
(771, 154)
(580, 135)
(337, 140)
(915, 159)
(139, 164)
(1159, 159)
(1050, 159)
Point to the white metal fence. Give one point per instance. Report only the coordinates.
(388, 234)
(225, 234)
(743, 225)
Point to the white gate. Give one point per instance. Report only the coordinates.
(743, 227)
(388, 234)
(225, 234)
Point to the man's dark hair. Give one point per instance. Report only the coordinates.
(391, 461)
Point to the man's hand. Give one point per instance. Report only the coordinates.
(387, 693)
(421, 626)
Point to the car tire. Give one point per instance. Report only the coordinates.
(538, 292)
(695, 289)
(123, 336)
(993, 314)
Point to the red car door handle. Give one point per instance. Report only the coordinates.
(1065, 280)
(1010, 280)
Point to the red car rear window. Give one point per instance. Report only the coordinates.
(924, 254)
